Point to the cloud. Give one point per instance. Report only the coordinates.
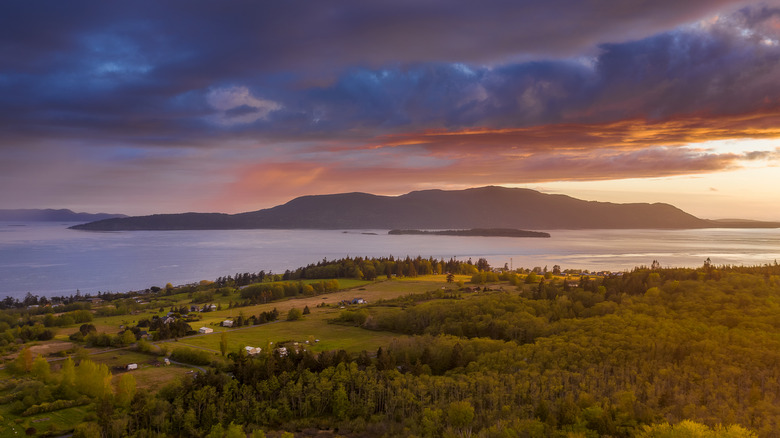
(631, 134)
(417, 94)
(763, 155)
(237, 105)
(167, 84)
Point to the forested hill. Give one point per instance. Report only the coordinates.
(485, 207)
(52, 215)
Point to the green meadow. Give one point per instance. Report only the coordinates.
(310, 328)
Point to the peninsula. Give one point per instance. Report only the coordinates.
(52, 215)
(476, 232)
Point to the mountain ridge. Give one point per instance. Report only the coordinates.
(482, 207)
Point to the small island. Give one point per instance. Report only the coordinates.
(477, 232)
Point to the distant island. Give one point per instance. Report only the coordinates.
(52, 215)
(477, 232)
(484, 207)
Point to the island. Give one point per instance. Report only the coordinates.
(432, 210)
(477, 232)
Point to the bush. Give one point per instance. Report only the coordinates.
(54, 406)
(294, 314)
(190, 356)
(354, 317)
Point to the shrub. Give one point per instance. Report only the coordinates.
(294, 314)
(190, 356)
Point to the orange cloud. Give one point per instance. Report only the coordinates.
(628, 134)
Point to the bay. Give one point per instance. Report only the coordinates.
(48, 259)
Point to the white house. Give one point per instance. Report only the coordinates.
(252, 350)
(206, 330)
(132, 366)
(227, 323)
(282, 351)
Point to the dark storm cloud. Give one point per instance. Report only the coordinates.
(705, 70)
(125, 67)
(298, 34)
(146, 74)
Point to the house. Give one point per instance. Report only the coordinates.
(213, 307)
(227, 323)
(252, 351)
(168, 320)
(132, 366)
(359, 301)
(206, 330)
(143, 334)
(282, 351)
(194, 309)
(167, 361)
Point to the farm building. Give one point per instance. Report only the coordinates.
(227, 323)
(132, 366)
(252, 350)
(206, 330)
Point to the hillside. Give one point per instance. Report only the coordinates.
(485, 207)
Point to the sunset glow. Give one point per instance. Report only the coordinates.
(148, 108)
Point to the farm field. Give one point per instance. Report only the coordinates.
(100, 338)
(371, 292)
(311, 327)
(64, 419)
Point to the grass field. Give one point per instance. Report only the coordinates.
(121, 358)
(311, 327)
(153, 378)
(350, 288)
(371, 291)
(315, 325)
(151, 372)
(62, 420)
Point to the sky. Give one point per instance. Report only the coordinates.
(228, 106)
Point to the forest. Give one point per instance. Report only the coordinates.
(652, 352)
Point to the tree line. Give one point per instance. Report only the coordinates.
(599, 358)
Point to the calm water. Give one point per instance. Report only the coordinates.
(48, 259)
